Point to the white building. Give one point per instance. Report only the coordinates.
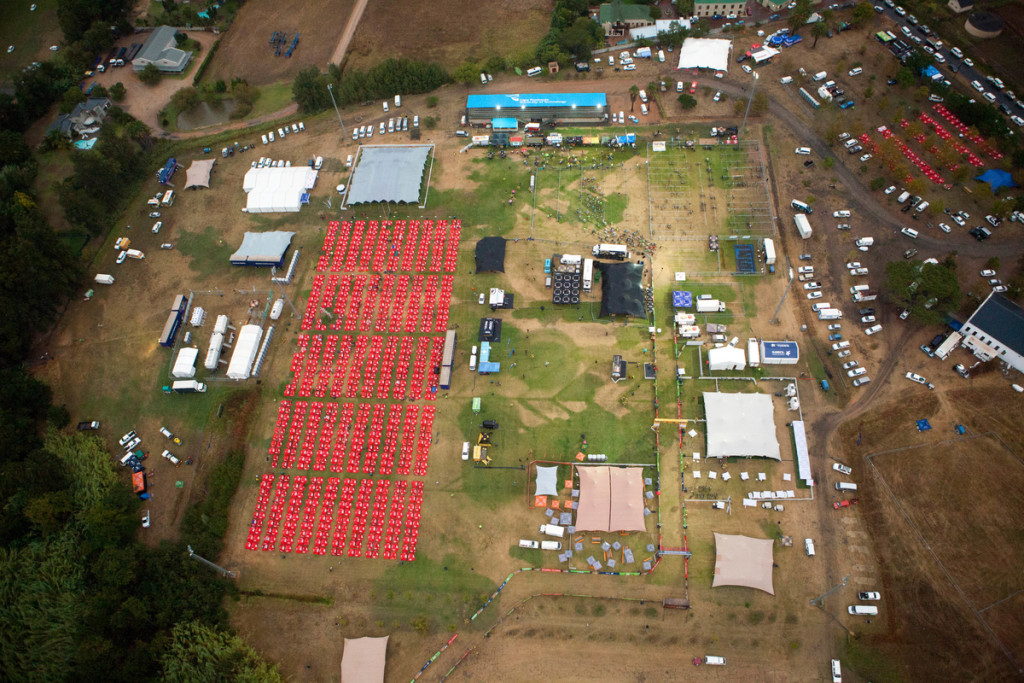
(996, 330)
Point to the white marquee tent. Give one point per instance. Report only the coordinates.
(277, 190)
(726, 358)
(185, 363)
(246, 346)
(741, 425)
(547, 481)
(705, 53)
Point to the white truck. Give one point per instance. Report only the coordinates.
(830, 314)
(710, 306)
(104, 279)
(769, 251)
(865, 243)
(571, 260)
(642, 53)
(188, 386)
(643, 96)
(859, 297)
(588, 274)
(553, 530)
(803, 226)
(753, 353)
(661, 56)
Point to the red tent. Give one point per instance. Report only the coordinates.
(139, 482)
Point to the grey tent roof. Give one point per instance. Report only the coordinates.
(622, 291)
(389, 174)
(741, 425)
(547, 481)
(262, 249)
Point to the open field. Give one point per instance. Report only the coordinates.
(245, 52)
(31, 34)
(464, 31)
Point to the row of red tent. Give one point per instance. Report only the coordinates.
(317, 435)
(307, 508)
(908, 153)
(372, 246)
(383, 303)
(945, 135)
(965, 130)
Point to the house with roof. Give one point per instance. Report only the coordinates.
(719, 8)
(161, 50)
(85, 119)
(996, 330)
(617, 19)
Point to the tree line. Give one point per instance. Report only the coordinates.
(387, 79)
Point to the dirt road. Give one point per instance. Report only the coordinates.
(350, 30)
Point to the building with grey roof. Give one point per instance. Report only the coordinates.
(85, 119)
(161, 50)
(996, 330)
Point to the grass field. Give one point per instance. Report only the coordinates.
(31, 34)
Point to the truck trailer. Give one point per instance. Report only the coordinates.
(186, 386)
(803, 226)
(710, 306)
(769, 251)
(588, 274)
(614, 251)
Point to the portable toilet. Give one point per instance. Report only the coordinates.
(476, 405)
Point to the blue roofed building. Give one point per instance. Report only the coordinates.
(544, 108)
(779, 353)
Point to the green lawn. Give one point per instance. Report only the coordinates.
(29, 32)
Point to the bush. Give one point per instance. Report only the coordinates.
(687, 101)
(150, 75)
(432, 101)
(117, 91)
(878, 183)
(430, 123)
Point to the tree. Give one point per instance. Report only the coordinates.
(117, 92)
(185, 99)
(634, 92)
(198, 652)
(818, 30)
(150, 75)
(863, 12)
(905, 77)
(878, 183)
(467, 73)
(687, 101)
(310, 90)
(927, 290)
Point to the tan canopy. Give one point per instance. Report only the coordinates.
(743, 561)
(198, 174)
(363, 660)
(611, 499)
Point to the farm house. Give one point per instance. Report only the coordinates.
(592, 107)
(161, 50)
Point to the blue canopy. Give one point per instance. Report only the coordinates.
(504, 123)
(997, 179)
(682, 299)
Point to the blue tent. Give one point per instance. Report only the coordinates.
(682, 299)
(923, 425)
(997, 179)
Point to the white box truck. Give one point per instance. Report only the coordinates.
(104, 279)
(188, 386)
(550, 545)
(588, 274)
(553, 530)
(615, 251)
(710, 306)
(865, 243)
(862, 610)
(714, 661)
(803, 226)
(845, 486)
(769, 251)
(753, 353)
(830, 314)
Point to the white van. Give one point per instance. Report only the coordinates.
(643, 96)
(264, 138)
(863, 610)
(643, 109)
(904, 196)
(820, 306)
(714, 661)
(679, 86)
(845, 486)
(465, 450)
(786, 80)
(837, 672)
(524, 543)
(909, 232)
(398, 100)
(856, 71)
(535, 71)
(921, 207)
(550, 545)
(800, 206)
(318, 163)
(859, 288)
(809, 547)
(805, 151)
(820, 76)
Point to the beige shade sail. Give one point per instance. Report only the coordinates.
(363, 660)
(611, 499)
(743, 561)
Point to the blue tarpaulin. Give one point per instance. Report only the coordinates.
(167, 172)
(682, 299)
(504, 123)
(997, 179)
(923, 426)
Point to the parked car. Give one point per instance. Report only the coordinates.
(853, 264)
(869, 595)
(835, 326)
(88, 425)
(857, 372)
(840, 467)
(812, 285)
(867, 320)
(844, 353)
(988, 272)
(866, 311)
(814, 295)
(847, 366)
(890, 189)
(861, 381)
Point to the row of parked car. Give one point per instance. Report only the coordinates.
(283, 132)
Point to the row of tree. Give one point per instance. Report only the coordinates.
(312, 89)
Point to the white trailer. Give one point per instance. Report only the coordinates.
(588, 274)
(246, 346)
(104, 279)
(616, 251)
(803, 226)
(753, 353)
(710, 306)
(553, 530)
(188, 386)
(769, 251)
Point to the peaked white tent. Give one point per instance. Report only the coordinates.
(726, 358)
(277, 190)
(245, 351)
(185, 363)
(705, 53)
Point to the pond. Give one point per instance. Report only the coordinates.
(205, 115)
